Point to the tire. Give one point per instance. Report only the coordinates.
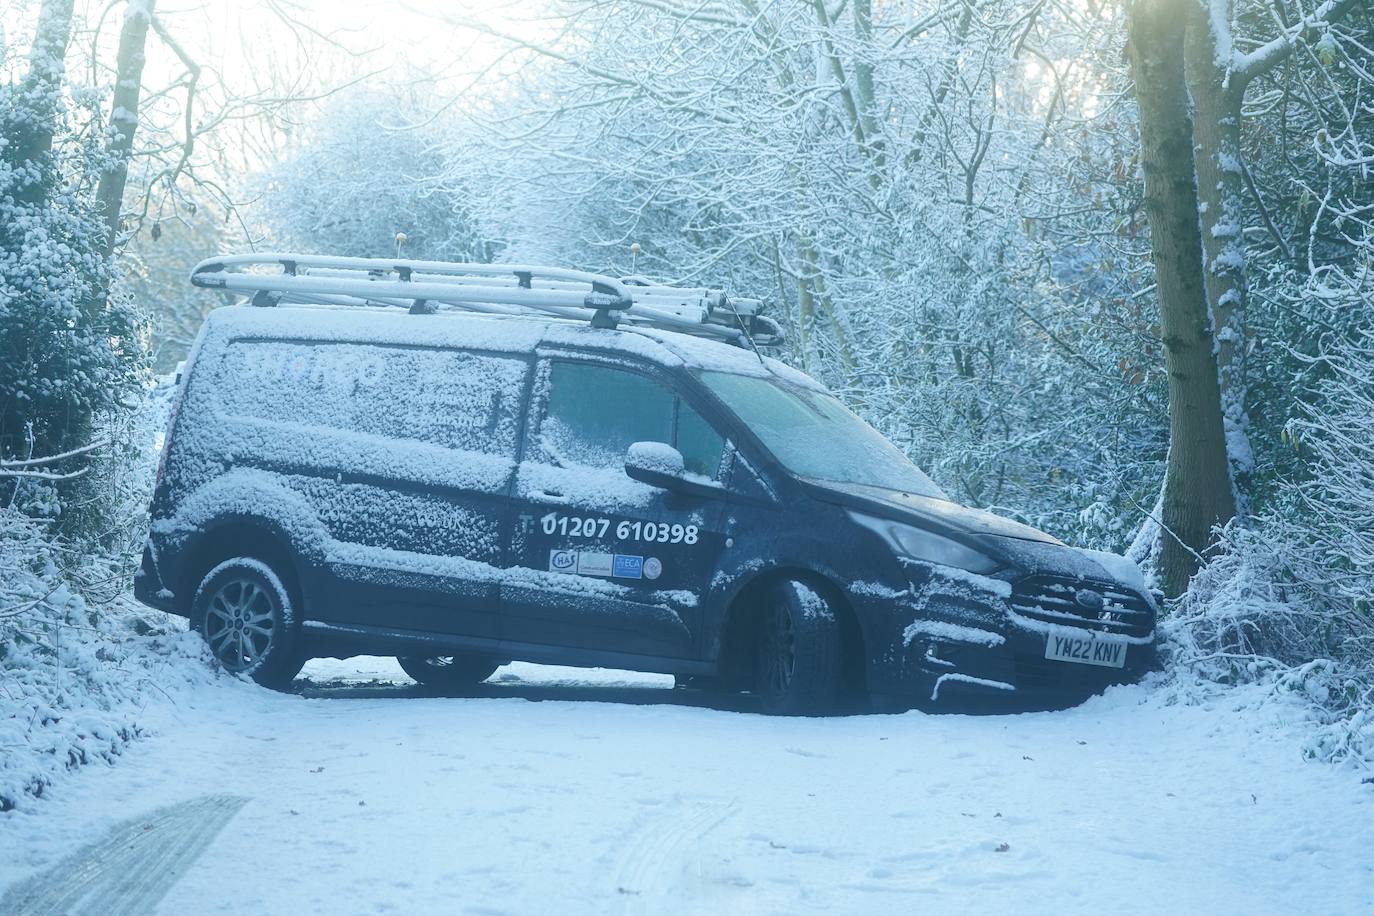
(797, 669)
(246, 615)
(449, 672)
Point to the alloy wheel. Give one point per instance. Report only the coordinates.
(779, 650)
(240, 624)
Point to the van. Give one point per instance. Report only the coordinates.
(462, 490)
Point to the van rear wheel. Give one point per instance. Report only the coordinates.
(244, 612)
(449, 672)
(797, 663)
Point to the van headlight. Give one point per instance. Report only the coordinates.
(928, 547)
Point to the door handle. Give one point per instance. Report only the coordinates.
(551, 494)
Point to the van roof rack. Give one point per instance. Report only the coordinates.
(426, 287)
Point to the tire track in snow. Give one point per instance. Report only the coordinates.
(654, 860)
(132, 868)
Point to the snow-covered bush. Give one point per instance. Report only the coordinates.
(79, 660)
(70, 352)
(76, 672)
(1293, 593)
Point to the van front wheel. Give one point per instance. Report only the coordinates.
(797, 665)
(449, 672)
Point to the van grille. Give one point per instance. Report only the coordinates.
(1056, 599)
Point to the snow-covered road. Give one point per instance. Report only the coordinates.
(611, 796)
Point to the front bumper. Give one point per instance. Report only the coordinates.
(960, 641)
(1017, 671)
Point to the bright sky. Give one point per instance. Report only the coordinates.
(242, 34)
(253, 45)
(277, 48)
(257, 44)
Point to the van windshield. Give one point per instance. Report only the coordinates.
(813, 435)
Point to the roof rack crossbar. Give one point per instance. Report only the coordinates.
(501, 289)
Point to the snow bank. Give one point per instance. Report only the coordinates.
(82, 667)
(75, 678)
(1262, 613)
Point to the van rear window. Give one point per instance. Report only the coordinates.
(454, 399)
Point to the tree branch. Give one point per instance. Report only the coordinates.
(25, 463)
(1269, 55)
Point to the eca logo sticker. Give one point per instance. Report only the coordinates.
(562, 560)
(628, 567)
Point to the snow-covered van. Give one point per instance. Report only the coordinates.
(461, 490)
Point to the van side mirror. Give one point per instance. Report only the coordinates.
(660, 465)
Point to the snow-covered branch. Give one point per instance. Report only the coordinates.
(1252, 64)
(28, 468)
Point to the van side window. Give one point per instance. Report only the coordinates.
(449, 398)
(595, 413)
(700, 444)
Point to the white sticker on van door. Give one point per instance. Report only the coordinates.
(594, 564)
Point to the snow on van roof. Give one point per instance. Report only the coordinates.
(497, 333)
(361, 324)
(707, 355)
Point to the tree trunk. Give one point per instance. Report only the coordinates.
(1197, 485)
(41, 89)
(133, 38)
(816, 301)
(866, 97)
(1216, 98)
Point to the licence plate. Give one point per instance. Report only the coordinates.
(1090, 650)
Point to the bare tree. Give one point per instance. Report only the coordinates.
(124, 112)
(1197, 484)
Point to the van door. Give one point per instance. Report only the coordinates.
(606, 562)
